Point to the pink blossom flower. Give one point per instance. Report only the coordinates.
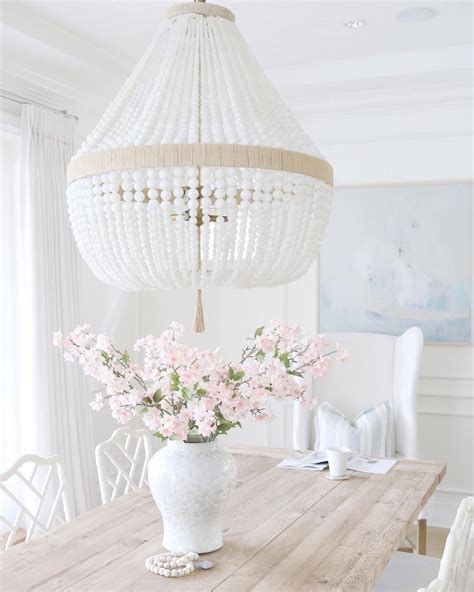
(152, 419)
(266, 343)
(122, 415)
(104, 343)
(98, 403)
(265, 416)
(185, 414)
(206, 425)
(190, 376)
(57, 338)
(135, 397)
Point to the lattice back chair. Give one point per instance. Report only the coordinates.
(33, 498)
(122, 462)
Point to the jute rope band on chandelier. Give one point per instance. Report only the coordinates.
(197, 174)
(221, 155)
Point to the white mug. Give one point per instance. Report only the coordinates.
(337, 459)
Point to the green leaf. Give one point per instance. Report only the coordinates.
(160, 436)
(260, 355)
(104, 355)
(185, 393)
(239, 375)
(294, 373)
(230, 374)
(157, 396)
(259, 331)
(201, 392)
(144, 410)
(284, 359)
(225, 425)
(126, 357)
(175, 381)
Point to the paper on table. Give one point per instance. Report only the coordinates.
(315, 461)
(365, 464)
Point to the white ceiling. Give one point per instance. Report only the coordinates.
(76, 54)
(280, 33)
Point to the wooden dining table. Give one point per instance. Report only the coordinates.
(284, 530)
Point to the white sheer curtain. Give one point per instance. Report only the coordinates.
(10, 294)
(49, 398)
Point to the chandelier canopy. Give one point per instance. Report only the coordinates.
(198, 174)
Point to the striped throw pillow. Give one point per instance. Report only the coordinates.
(370, 434)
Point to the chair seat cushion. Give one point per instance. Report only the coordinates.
(370, 433)
(407, 572)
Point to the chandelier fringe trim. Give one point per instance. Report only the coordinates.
(199, 326)
(202, 8)
(221, 155)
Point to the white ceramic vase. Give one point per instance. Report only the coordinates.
(190, 484)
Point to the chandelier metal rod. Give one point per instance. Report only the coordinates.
(199, 325)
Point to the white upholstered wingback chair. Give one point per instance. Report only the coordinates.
(379, 368)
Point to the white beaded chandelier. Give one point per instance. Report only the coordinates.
(198, 174)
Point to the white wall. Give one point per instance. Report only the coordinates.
(446, 423)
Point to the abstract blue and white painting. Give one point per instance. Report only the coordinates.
(398, 256)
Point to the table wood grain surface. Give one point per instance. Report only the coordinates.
(284, 530)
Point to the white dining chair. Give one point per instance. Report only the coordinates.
(33, 498)
(380, 367)
(122, 462)
(455, 571)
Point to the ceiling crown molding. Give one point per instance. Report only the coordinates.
(395, 95)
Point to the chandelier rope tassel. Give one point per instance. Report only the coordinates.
(199, 326)
(198, 175)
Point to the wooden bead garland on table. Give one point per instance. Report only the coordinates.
(171, 565)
